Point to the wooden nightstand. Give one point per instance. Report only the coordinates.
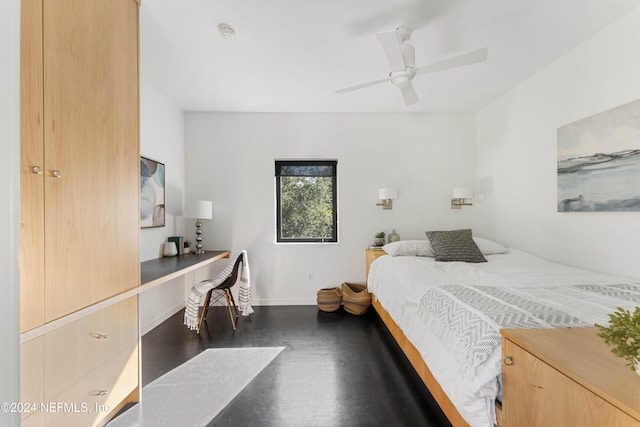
(566, 377)
(373, 254)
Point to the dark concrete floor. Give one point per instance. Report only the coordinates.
(337, 369)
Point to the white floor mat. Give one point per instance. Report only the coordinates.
(192, 394)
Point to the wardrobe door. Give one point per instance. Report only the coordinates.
(31, 168)
(91, 151)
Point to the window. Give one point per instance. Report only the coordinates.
(306, 201)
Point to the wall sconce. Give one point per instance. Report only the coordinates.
(460, 196)
(386, 195)
(199, 210)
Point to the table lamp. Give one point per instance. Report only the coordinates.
(199, 210)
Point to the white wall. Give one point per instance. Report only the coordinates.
(517, 155)
(231, 162)
(162, 139)
(9, 208)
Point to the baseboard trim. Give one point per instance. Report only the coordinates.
(173, 310)
(285, 301)
(161, 318)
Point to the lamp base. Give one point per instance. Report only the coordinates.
(199, 250)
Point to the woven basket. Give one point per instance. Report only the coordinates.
(329, 299)
(356, 298)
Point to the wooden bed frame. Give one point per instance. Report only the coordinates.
(418, 363)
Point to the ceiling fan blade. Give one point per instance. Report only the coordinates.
(409, 94)
(361, 86)
(393, 50)
(473, 57)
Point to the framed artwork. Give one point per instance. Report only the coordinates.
(151, 193)
(599, 162)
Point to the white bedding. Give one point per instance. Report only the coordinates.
(399, 283)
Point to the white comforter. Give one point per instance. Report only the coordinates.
(399, 283)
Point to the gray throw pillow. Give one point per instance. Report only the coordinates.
(455, 245)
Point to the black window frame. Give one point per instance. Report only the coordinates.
(279, 172)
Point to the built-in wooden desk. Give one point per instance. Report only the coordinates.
(157, 271)
(152, 273)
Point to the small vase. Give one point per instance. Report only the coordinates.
(393, 236)
(379, 241)
(170, 249)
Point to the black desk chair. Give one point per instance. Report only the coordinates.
(225, 287)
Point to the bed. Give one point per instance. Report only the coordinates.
(446, 316)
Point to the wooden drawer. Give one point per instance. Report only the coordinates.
(77, 349)
(92, 398)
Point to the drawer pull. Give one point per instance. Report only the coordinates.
(56, 174)
(508, 361)
(98, 336)
(100, 392)
(37, 170)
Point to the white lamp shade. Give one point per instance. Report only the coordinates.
(387, 193)
(462, 193)
(199, 209)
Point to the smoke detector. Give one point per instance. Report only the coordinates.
(226, 31)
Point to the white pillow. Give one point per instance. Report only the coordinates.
(409, 248)
(489, 247)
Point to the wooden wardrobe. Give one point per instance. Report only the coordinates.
(79, 208)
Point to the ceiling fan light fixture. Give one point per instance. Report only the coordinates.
(401, 78)
(226, 31)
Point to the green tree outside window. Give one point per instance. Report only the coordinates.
(306, 199)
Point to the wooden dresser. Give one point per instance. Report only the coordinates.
(566, 377)
(79, 208)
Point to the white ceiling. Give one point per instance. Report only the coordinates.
(291, 55)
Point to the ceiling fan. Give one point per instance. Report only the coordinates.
(401, 56)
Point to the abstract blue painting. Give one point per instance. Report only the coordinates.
(599, 162)
(151, 193)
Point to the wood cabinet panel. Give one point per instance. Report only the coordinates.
(91, 138)
(31, 156)
(536, 394)
(80, 210)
